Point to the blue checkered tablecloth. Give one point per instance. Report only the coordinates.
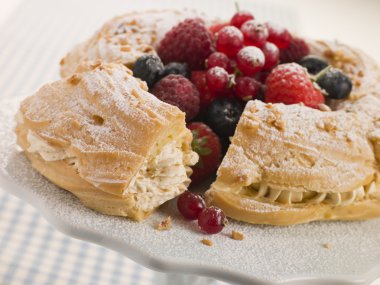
(33, 252)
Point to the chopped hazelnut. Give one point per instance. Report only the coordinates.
(237, 235)
(206, 242)
(164, 225)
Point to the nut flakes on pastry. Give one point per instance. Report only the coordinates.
(100, 135)
(125, 38)
(290, 164)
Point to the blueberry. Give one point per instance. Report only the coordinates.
(335, 83)
(223, 115)
(313, 64)
(176, 68)
(148, 68)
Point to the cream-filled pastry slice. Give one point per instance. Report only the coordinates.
(103, 137)
(125, 38)
(290, 164)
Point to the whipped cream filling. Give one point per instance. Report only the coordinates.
(268, 194)
(47, 152)
(161, 177)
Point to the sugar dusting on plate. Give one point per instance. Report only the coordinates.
(266, 253)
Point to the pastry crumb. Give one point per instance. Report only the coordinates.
(206, 242)
(165, 225)
(327, 245)
(237, 235)
(74, 79)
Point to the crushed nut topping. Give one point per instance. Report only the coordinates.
(237, 235)
(206, 242)
(327, 245)
(165, 225)
(74, 79)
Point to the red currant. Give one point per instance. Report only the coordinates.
(212, 220)
(217, 78)
(217, 27)
(250, 60)
(247, 88)
(206, 96)
(278, 35)
(190, 205)
(240, 18)
(272, 55)
(218, 59)
(255, 33)
(229, 40)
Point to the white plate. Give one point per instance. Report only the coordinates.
(267, 255)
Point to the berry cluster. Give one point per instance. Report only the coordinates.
(211, 220)
(211, 72)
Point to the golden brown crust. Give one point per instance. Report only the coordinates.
(99, 134)
(251, 211)
(125, 38)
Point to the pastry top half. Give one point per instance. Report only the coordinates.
(125, 38)
(117, 137)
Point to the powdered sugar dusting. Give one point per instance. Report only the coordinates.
(267, 253)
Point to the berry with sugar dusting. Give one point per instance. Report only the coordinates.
(206, 96)
(176, 68)
(278, 35)
(247, 88)
(250, 60)
(217, 78)
(291, 84)
(190, 205)
(207, 145)
(313, 64)
(229, 40)
(240, 18)
(335, 83)
(223, 115)
(272, 55)
(214, 29)
(255, 33)
(296, 50)
(212, 220)
(189, 41)
(177, 90)
(148, 68)
(218, 59)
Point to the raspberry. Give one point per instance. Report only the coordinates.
(178, 91)
(240, 18)
(250, 60)
(207, 144)
(188, 42)
(255, 33)
(296, 50)
(278, 35)
(272, 55)
(206, 96)
(229, 40)
(217, 78)
(218, 59)
(247, 88)
(290, 84)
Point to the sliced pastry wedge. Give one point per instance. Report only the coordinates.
(290, 164)
(100, 135)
